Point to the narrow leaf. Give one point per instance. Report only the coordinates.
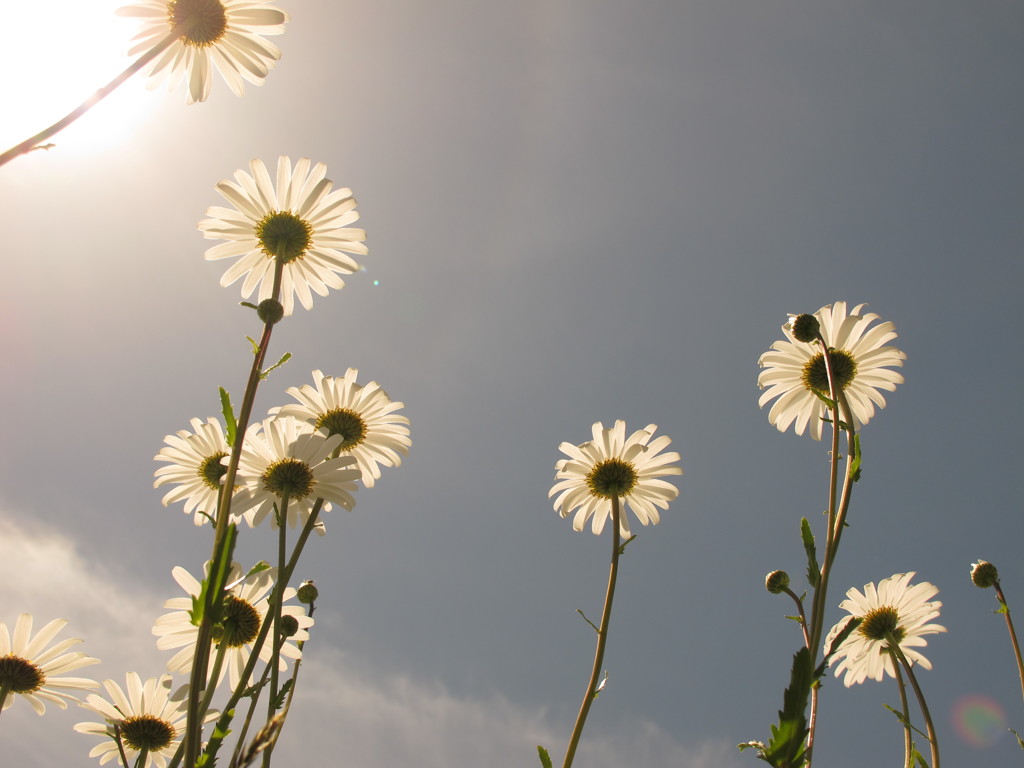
(231, 423)
(284, 359)
(813, 569)
(545, 758)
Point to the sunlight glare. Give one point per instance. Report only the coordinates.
(58, 53)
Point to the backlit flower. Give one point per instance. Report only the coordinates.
(894, 610)
(284, 455)
(610, 466)
(227, 34)
(146, 717)
(299, 222)
(363, 414)
(795, 373)
(245, 610)
(30, 669)
(194, 464)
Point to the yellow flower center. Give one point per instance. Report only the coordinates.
(881, 622)
(146, 732)
(240, 625)
(205, 21)
(284, 236)
(211, 470)
(289, 475)
(19, 675)
(815, 375)
(344, 422)
(611, 478)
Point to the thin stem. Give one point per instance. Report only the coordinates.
(203, 636)
(602, 639)
(35, 141)
(1013, 635)
(908, 735)
(933, 741)
(257, 644)
(803, 616)
(282, 559)
(821, 590)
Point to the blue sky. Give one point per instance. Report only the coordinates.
(576, 212)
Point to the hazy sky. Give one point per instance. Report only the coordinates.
(577, 211)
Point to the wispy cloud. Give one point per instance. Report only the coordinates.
(346, 712)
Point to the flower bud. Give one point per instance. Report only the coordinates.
(776, 582)
(270, 311)
(308, 592)
(984, 574)
(289, 625)
(804, 328)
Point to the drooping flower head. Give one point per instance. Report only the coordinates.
(227, 34)
(363, 414)
(612, 465)
(29, 669)
(794, 371)
(195, 465)
(285, 455)
(245, 609)
(894, 609)
(148, 717)
(300, 222)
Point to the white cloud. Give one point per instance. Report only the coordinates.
(346, 712)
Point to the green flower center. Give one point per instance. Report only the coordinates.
(284, 235)
(19, 675)
(815, 375)
(344, 422)
(880, 623)
(612, 478)
(147, 732)
(289, 476)
(205, 21)
(211, 470)
(240, 625)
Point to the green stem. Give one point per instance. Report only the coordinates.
(236, 695)
(933, 742)
(602, 639)
(1013, 635)
(198, 678)
(821, 590)
(275, 672)
(908, 736)
(35, 141)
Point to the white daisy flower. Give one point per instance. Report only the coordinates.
(195, 466)
(246, 609)
(301, 223)
(147, 717)
(363, 415)
(28, 667)
(224, 33)
(612, 465)
(284, 454)
(893, 608)
(794, 371)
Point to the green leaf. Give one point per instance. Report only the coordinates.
(231, 423)
(788, 743)
(211, 595)
(283, 693)
(545, 758)
(813, 569)
(855, 459)
(1020, 741)
(220, 732)
(255, 346)
(284, 359)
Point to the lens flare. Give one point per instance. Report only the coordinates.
(979, 720)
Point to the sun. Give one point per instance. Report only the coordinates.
(56, 54)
